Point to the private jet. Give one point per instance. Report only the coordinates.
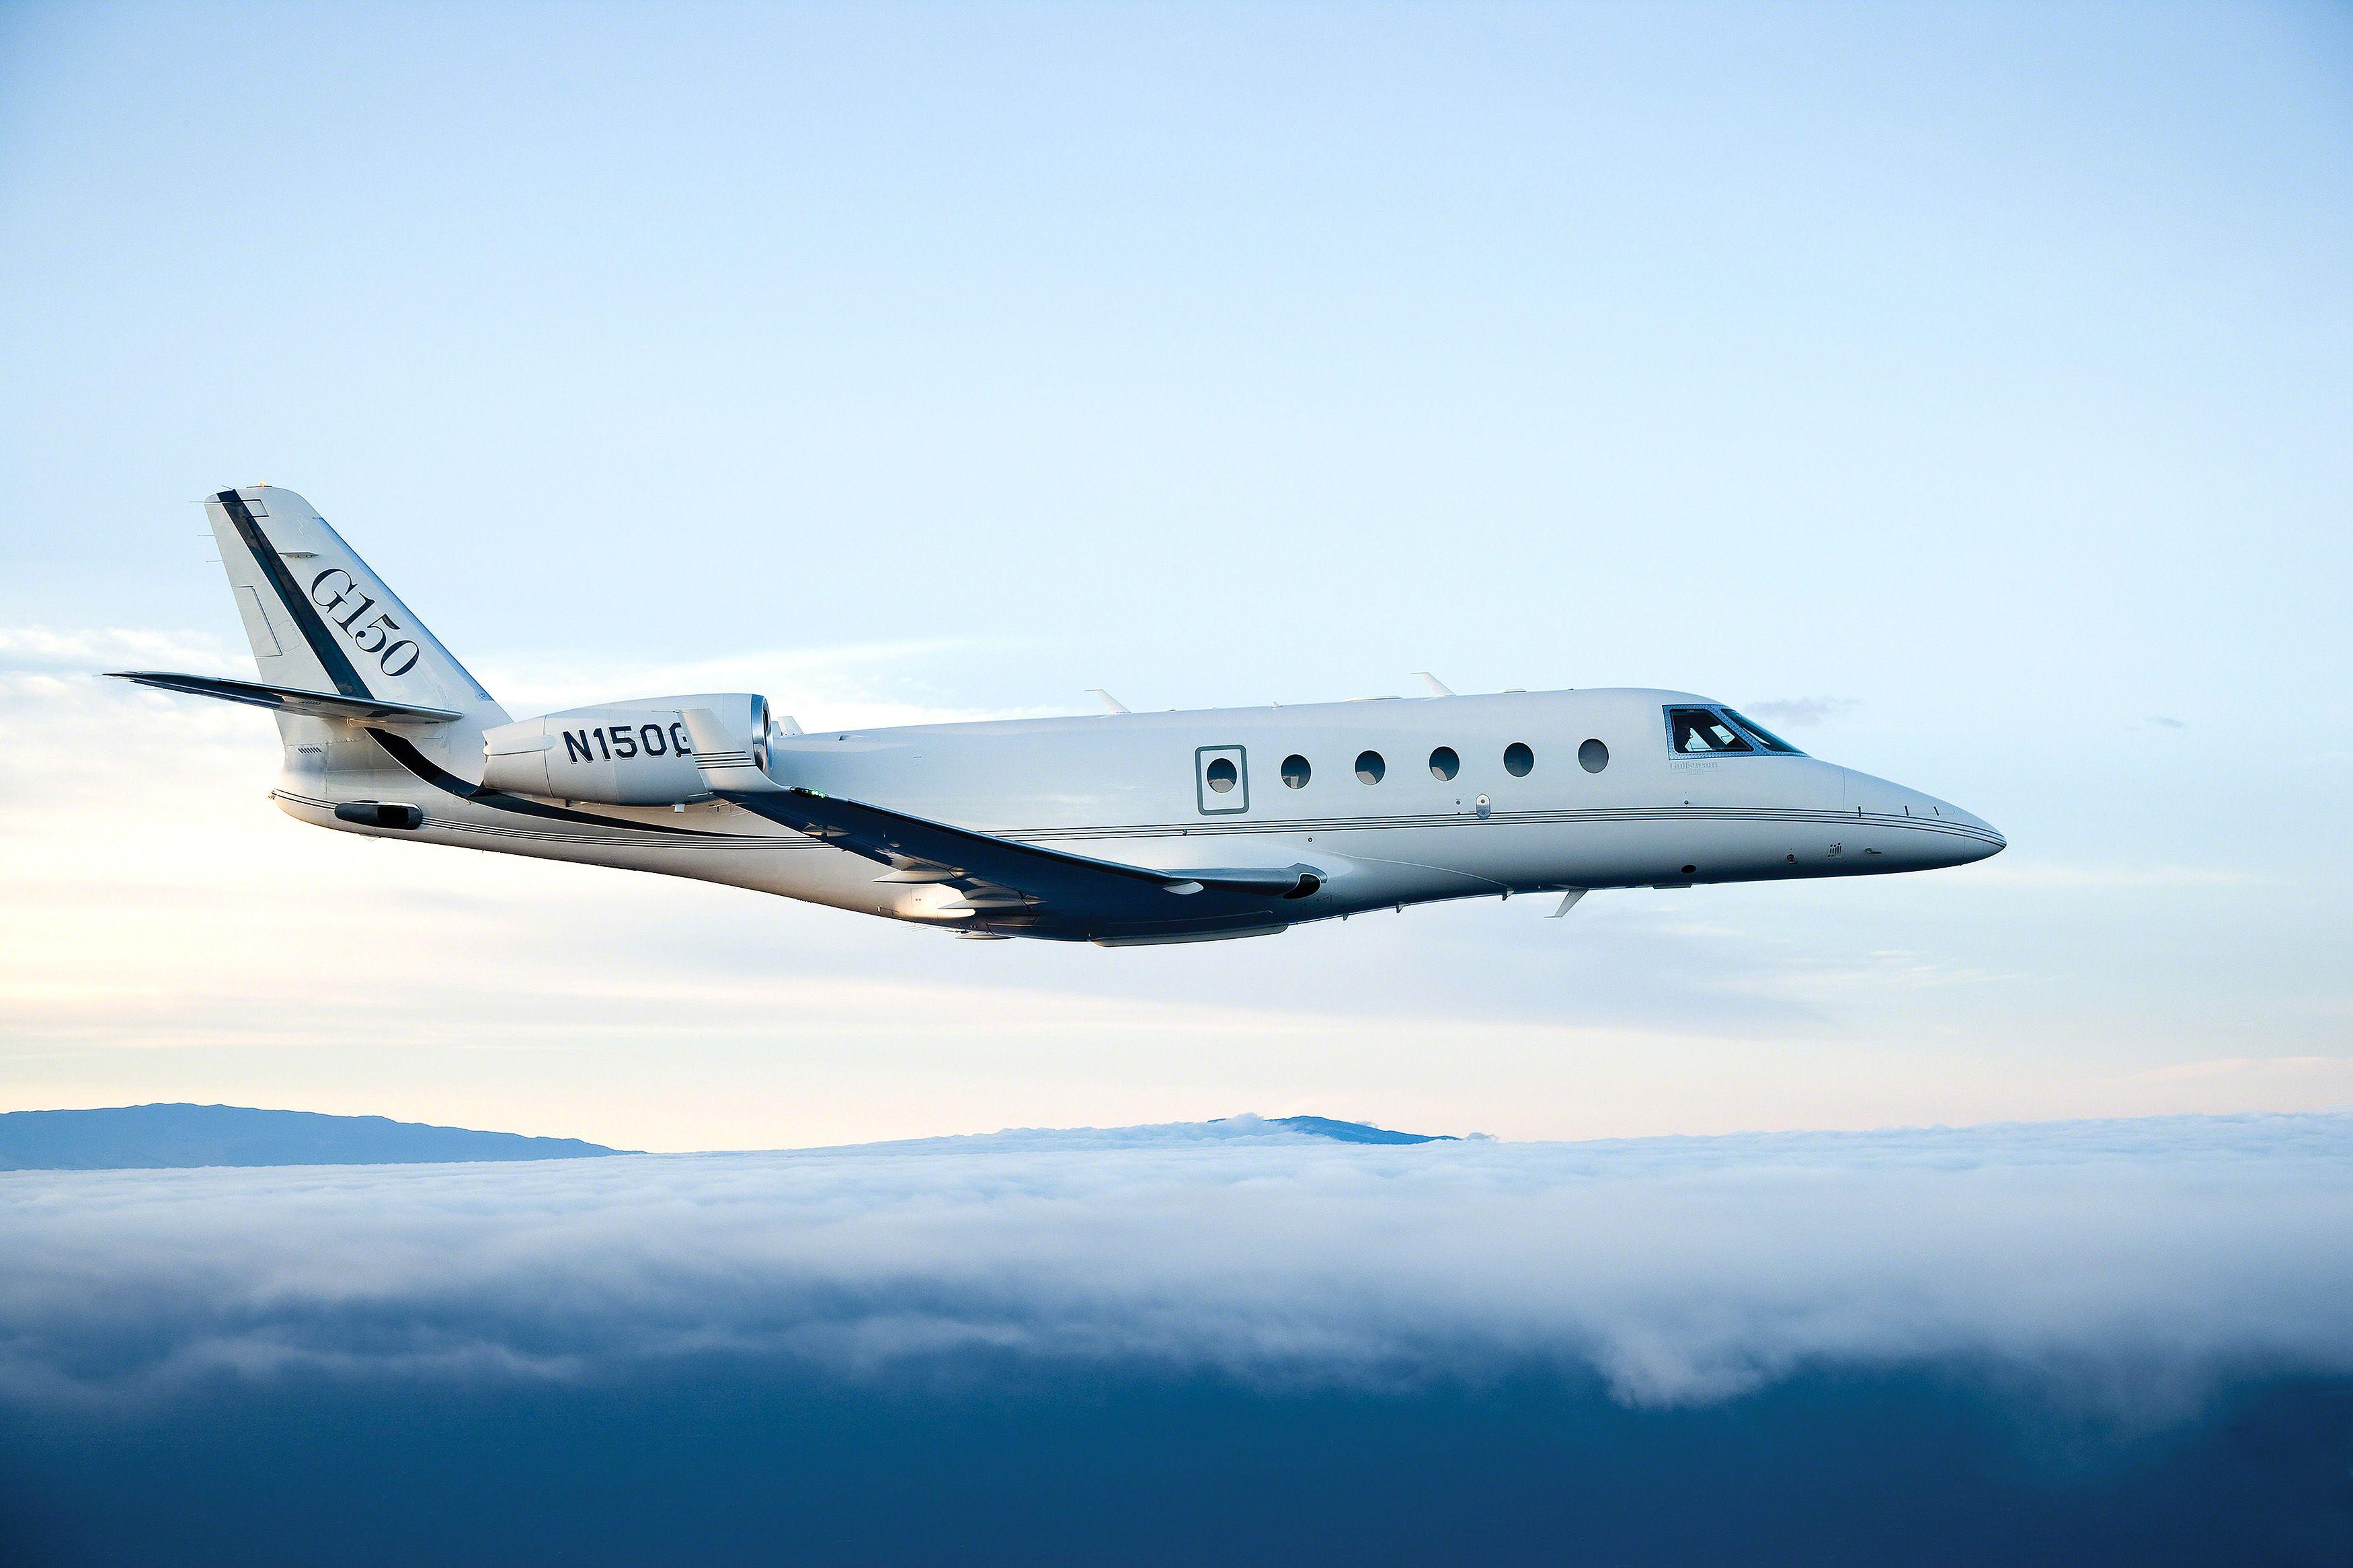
(1118, 828)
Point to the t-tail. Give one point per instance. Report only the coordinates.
(336, 650)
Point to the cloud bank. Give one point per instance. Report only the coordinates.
(2132, 1263)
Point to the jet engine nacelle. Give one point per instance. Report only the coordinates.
(618, 753)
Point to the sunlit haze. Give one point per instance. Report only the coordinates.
(1962, 390)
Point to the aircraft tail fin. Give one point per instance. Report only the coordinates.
(320, 620)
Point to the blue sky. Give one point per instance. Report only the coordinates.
(1972, 377)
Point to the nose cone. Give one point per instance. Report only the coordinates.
(1917, 832)
(1985, 840)
(1945, 835)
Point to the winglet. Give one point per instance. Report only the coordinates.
(1111, 704)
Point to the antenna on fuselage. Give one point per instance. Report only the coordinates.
(1436, 687)
(1111, 704)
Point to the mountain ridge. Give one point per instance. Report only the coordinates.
(183, 1136)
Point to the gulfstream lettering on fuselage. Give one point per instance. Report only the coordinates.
(1119, 828)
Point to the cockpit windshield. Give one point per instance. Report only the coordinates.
(1719, 731)
(1761, 735)
(1700, 731)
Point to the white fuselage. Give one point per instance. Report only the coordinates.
(1121, 829)
(1129, 788)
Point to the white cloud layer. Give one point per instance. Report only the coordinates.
(2132, 1262)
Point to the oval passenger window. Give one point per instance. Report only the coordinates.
(1518, 760)
(1369, 767)
(1295, 771)
(1221, 775)
(1444, 763)
(1593, 756)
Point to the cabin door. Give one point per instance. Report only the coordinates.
(1221, 780)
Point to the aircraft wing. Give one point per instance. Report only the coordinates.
(994, 873)
(286, 698)
(918, 850)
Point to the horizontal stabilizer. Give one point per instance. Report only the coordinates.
(287, 698)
